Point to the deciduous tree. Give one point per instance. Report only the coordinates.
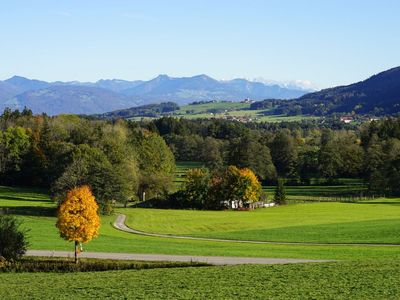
(78, 220)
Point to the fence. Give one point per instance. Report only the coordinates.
(335, 198)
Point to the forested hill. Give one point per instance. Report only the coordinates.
(378, 95)
(149, 110)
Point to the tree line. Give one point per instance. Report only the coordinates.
(298, 152)
(118, 160)
(125, 160)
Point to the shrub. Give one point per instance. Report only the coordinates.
(13, 243)
(63, 265)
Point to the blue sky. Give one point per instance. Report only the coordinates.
(327, 42)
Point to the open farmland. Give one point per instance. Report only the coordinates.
(38, 215)
(362, 222)
(363, 272)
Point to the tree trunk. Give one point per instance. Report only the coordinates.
(76, 252)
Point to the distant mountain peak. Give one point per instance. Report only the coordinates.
(94, 97)
(162, 77)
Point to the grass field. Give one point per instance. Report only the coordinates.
(202, 108)
(319, 223)
(363, 280)
(361, 272)
(40, 220)
(229, 110)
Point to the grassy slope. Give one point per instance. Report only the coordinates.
(43, 235)
(201, 108)
(306, 281)
(233, 109)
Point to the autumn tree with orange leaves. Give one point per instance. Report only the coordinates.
(78, 219)
(240, 186)
(227, 188)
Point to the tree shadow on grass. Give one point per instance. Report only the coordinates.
(30, 198)
(30, 211)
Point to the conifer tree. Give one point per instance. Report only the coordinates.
(280, 193)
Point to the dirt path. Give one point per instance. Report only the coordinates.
(120, 224)
(213, 260)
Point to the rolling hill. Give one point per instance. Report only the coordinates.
(377, 95)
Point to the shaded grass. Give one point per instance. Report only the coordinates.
(362, 280)
(10, 196)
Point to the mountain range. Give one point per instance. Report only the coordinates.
(107, 95)
(378, 95)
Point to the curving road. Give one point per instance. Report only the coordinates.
(120, 224)
(214, 260)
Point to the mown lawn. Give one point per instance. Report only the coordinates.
(43, 235)
(362, 280)
(364, 222)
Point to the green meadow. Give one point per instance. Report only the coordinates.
(362, 222)
(38, 216)
(222, 110)
(340, 280)
(360, 272)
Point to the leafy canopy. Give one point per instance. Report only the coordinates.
(78, 219)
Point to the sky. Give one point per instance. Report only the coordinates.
(326, 42)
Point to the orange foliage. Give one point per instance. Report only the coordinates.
(77, 216)
(252, 188)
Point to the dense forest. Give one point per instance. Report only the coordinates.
(121, 160)
(118, 160)
(149, 110)
(296, 151)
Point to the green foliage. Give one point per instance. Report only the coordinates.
(157, 164)
(249, 152)
(280, 192)
(14, 143)
(284, 154)
(149, 110)
(13, 243)
(66, 151)
(62, 265)
(197, 187)
(233, 187)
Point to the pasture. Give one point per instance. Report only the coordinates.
(38, 216)
(361, 272)
(363, 222)
(227, 110)
(341, 280)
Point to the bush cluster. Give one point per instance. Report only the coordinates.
(88, 265)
